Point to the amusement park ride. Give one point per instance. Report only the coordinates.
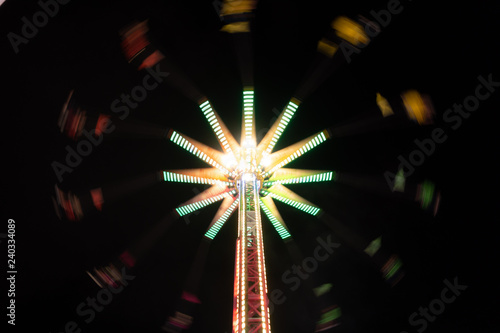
(247, 176)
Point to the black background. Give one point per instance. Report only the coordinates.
(437, 49)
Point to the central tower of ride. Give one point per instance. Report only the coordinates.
(250, 303)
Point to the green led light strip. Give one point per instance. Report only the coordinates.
(301, 206)
(182, 142)
(208, 112)
(277, 225)
(320, 177)
(315, 141)
(212, 232)
(183, 210)
(285, 119)
(181, 178)
(248, 111)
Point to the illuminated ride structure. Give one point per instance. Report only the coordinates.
(247, 176)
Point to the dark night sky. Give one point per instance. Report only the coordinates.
(439, 50)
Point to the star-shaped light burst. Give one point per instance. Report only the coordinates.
(248, 176)
(244, 162)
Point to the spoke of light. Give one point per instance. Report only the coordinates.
(296, 176)
(196, 176)
(248, 136)
(205, 198)
(268, 206)
(224, 136)
(290, 153)
(226, 209)
(272, 136)
(281, 193)
(198, 149)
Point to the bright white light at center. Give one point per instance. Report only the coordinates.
(266, 160)
(248, 143)
(248, 177)
(228, 160)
